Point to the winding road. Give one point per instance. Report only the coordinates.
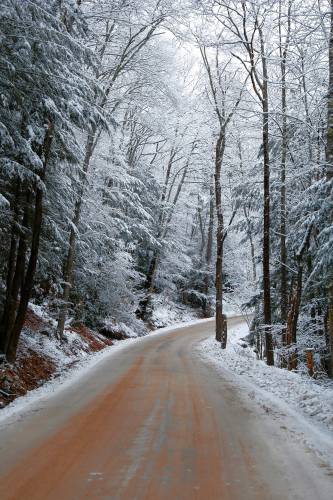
(153, 421)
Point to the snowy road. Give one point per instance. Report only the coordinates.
(154, 421)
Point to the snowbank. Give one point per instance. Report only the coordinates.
(313, 397)
(309, 402)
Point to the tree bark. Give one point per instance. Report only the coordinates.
(34, 249)
(13, 291)
(209, 252)
(284, 145)
(149, 286)
(220, 333)
(329, 176)
(11, 266)
(266, 238)
(295, 302)
(292, 316)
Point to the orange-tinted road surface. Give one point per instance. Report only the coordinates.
(153, 421)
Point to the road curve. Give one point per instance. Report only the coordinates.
(154, 422)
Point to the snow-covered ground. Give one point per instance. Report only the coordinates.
(166, 312)
(304, 405)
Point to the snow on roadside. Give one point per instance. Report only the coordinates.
(41, 356)
(309, 400)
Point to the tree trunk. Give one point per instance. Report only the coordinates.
(284, 145)
(32, 264)
(219, 328)
(28, 280)
(252, 248)
(209, 252)
(295, 301)
(266, 238)
(11, 266)
(266, 241)
(11, 305)
(329, 175)
(149, 286)
(14, 238)
(330, 328)
(292, 318)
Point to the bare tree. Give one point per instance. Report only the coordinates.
(245, 20)
(219, 88)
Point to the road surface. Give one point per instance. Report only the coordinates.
(154, 422)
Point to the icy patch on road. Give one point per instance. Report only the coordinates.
(308, 402)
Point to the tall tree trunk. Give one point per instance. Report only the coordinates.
(266, 238)
(26, 289)
(224, 119)
(28, 279)
(252, 248)
(292, 317)
(11, 266)
(284, 145)
(307, 111)
(295, 300)
(219, 327)
(209, 251)
(329, 175)
(19, 270)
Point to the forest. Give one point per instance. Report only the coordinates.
(156, 150)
